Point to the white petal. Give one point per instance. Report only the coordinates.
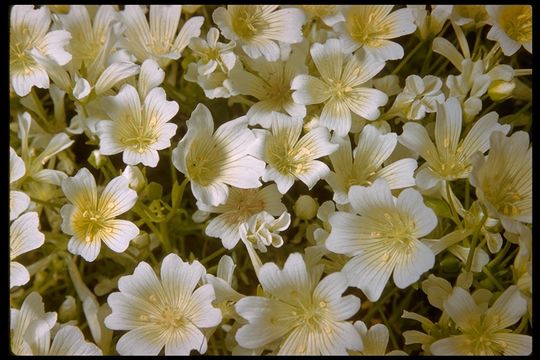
(364, 199)
(328, 58)
(53, 46)
(515, 344)
(18, 203)
(221, 228)
(24, 235)
(507, 310)
(369, 274)
(411, 266)
(179, 278)
(18, 275)
(454, 345)
(113, 74)
(69, 340)
(416, 138)
(336, 116)
(145, 340)
(89, 250)
(151, 76)
(191, 29)
(16, 166)
(201, 311)
(411, 202)
(157, 107)
(309, 90)
(119, 234)
(399, 174)
(462, 309)
(117, 197)
(448, 125)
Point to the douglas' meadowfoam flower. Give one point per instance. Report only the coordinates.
(91, 218)
(450, 158)
(137, 131)
(155, 39)
(512, 27)
(503, 180)
(340, 86)
(384, 239)
(271, 86)
(375, 340)
(329, 14)
(168, 312)
(371, 27)
(484, 332)
(257, 27)
(29, 29)
(290, 157)
(304, 316)
(420, 96)
(212, 53)
(240, 206)
(24, 236)
(372, 151)
(214, 160)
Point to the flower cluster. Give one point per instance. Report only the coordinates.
(350, 168)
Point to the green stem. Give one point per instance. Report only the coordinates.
(477, 46)
(467, 194)
(455, 216)
(407, 58)
(215, 254)
(390, 329)
(142, 214)
(164, 232)
(374, 309)
(500, 255)
(522, 325)
(472, 249)
(494, 280)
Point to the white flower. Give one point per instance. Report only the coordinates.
(18, 200)
(212, 53)
(271, 86)
(420, 96)
(213, 160)
(483, 332)
(150, 77)
(68, 340)
(24, 236)
(290, 157)
(91, 218)
(384, 239)
(473, 82)
(432, 24)
(503, 180)
(450, 158)
(329, 14)
(240, 206)
(256, 27)
(156, 39)
(469, 15)
(29, 30)
(88, 33)
(32, 309)
(371, 27)
(375, 340)
(32, 327)
(340, 86)
(212, 84)
(168, 313)
(305, 316)
(262, 230)
(512, 27)
(137, 131)
(372, 151)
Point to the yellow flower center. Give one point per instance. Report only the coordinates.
(247, 21)
(366, 29)
(339, 89)
(397, 233)
(88, 223)
(503, 197)
(242, 204)
(205, 160)
(138, 136)
(20, 43)
(287, 159)
(171, 318)
(516, 21)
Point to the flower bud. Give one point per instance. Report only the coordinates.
(68, 310)
(306, 207)
(500, 90)
(96, 159)
(135, 177)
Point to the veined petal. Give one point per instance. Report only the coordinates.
(416, 138)
(336, 116)
(410, 266)
(478, 137)
(163, 20)
(191, 29)
(18, 275)
(117, 197)
(18, 203)
(157, 107)
(411, 202)
(368, 273)
(448, 126)
(201, 311)
(309, 90)
(454, 345)
(119, 233)
(89, 250)
(365, 198)
(399, 174)
(24, 235)
(515, 344)
(365, 102)
(462, 309)
(507, 310)
(81, 189)
(113, 74)
(145, 340)
(53, 44)
(328, 58)
(150, 76)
